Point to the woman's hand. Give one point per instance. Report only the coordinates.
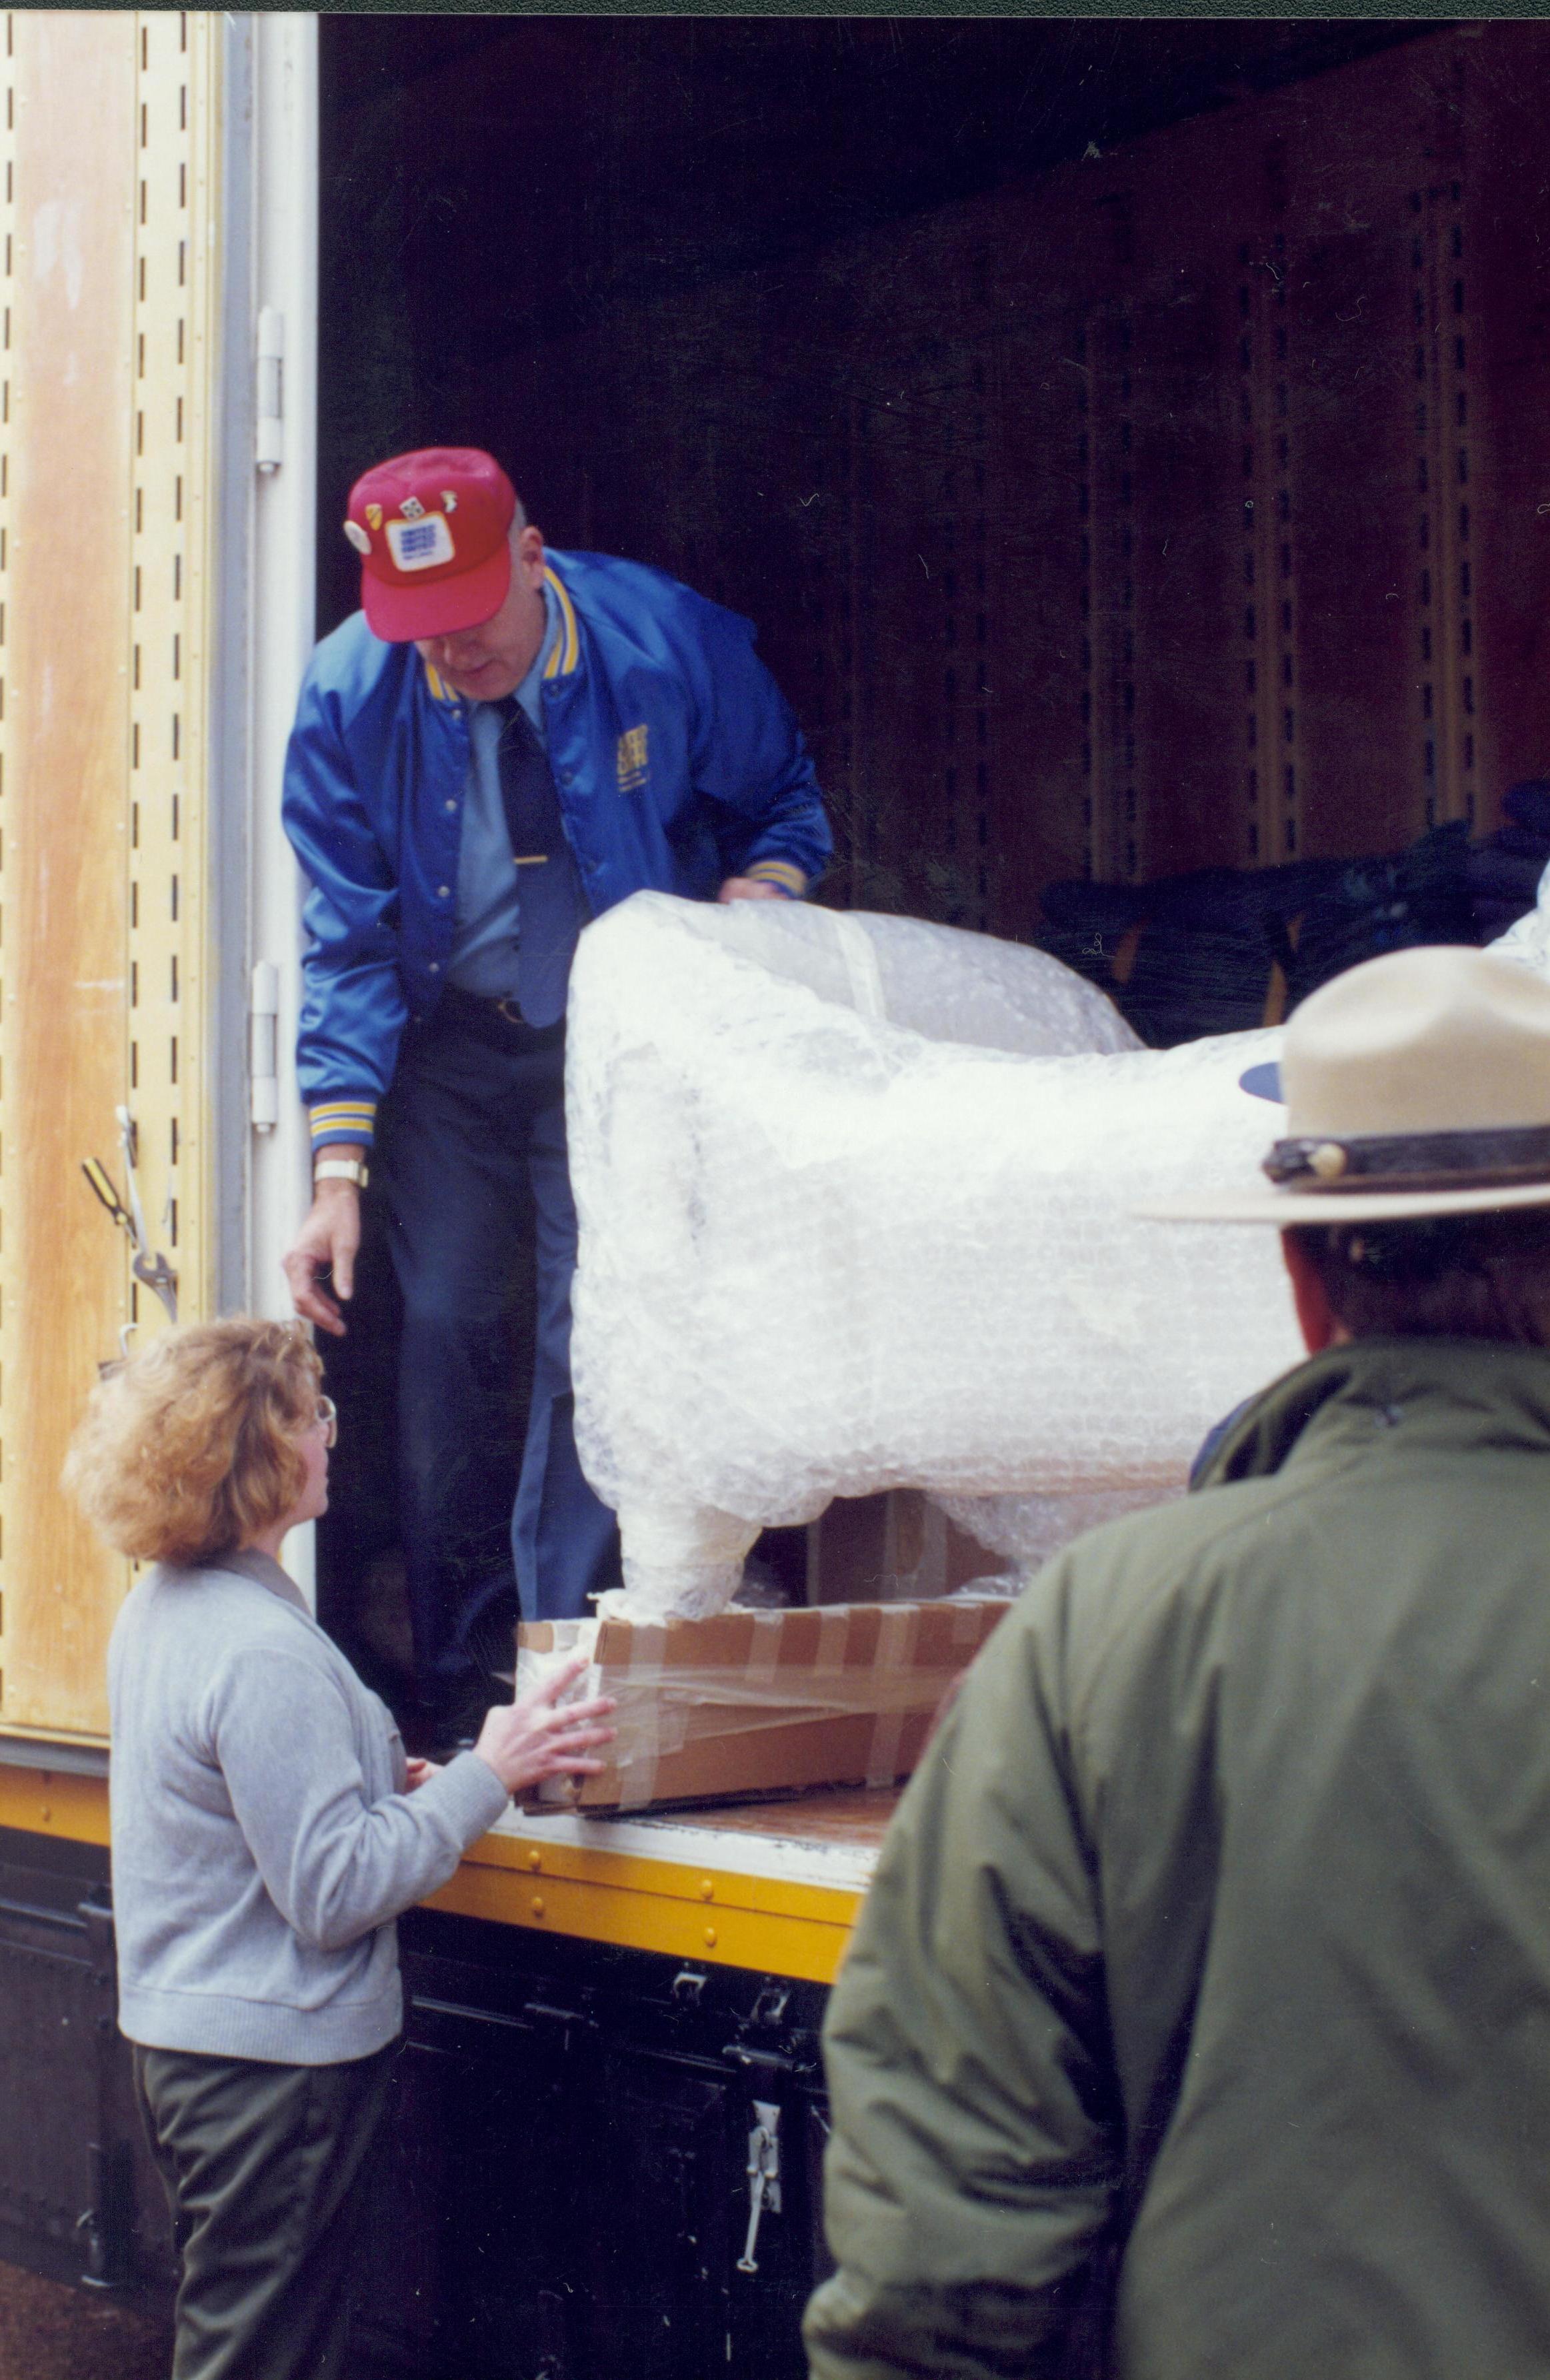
(419, 1773)
(537, 1737)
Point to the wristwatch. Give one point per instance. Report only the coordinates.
(340, 1169)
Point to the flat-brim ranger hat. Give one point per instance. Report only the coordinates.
(432, 531)
(1418, 1084)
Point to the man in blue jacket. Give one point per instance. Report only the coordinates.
(503, 745)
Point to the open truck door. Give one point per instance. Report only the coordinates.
(156, 537)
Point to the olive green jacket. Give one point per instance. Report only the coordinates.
(1197, 2026)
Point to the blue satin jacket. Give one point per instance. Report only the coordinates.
(677, 760)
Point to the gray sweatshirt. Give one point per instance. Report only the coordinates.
(262, 1842)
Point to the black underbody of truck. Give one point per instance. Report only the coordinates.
(563, 2192)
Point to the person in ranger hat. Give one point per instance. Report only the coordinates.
(502, 743)
(1198, 2020)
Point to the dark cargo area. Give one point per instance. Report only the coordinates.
(1131, 440)
(1047, 393)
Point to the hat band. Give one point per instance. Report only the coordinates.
(1424, 1161)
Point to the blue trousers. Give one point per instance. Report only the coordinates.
(470, 1154)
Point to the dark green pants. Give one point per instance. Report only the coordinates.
(262, 2165)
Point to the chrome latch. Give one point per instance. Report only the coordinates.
(763, 2177)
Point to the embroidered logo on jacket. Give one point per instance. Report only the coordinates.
(632, 759)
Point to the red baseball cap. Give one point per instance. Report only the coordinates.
(430, 529)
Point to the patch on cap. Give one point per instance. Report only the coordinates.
(422, 542)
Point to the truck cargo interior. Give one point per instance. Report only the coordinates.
(1126, 438)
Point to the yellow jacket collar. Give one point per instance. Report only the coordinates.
(568, 644)
(561, 661)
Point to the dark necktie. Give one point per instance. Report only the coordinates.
(552, 910)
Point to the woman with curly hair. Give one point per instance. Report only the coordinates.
(267, 1829)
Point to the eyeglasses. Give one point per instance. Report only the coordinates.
(328, 1415)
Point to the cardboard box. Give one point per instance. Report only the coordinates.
(761, 1701)
(891, 1546)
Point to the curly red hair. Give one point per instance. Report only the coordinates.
(193, 1448)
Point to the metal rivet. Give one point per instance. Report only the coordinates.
(710, 1938)
(538, 1904)
(535, 1861)
(707, 1890)
(1328, 1160)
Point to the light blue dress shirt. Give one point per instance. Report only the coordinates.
(484, 940)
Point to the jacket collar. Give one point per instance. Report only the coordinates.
(247, 1562)
(567, 654)
(564, 655)
(1468, 1391)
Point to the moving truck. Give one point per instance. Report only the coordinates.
(610, 2114)
(1119, 508)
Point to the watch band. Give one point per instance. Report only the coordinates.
(341, 1168)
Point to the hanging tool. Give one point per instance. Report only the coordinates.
(154, 1272)
(763, 2177)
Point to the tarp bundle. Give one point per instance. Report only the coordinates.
(1225, 949)
(854, 1195)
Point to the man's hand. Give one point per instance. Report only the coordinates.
(326, 1242)
(537, 1737)
(748, 888)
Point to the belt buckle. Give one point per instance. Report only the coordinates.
(507, 1008)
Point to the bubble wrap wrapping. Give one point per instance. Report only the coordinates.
(854, 1199)
(1528, 940)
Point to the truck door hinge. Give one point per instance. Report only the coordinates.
(269, 450)
(263, 1047)
(763, 2177)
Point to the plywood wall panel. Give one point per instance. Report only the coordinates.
(1507, 273)
(106, 434)
(1186, 596)
(66, 860)
(1286, 272)
(1043, 827)
(1347, 560)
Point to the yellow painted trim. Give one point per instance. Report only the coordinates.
(807, 1949)
(784, 1929)
(681, 1910)
(432, 679)
(52, 1801)
(779, 871)
(568, 647)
